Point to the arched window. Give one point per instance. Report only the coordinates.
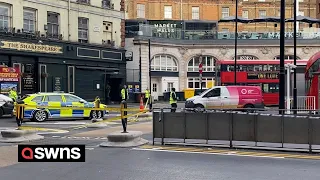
(289, 57)
(246, 57)
(208, 64)
(164, 63)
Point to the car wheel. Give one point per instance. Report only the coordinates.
(199, 108)
(96, 115)
(249, 108)
(40, 116)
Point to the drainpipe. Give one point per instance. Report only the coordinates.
(181, 9)
(68, 20)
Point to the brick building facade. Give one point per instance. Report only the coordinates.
(215, 10)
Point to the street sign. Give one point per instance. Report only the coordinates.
(200, 65)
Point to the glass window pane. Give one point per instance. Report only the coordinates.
(53, 98)
(70, 98)
(37, 99)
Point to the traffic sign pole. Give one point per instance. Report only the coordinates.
(200, 72)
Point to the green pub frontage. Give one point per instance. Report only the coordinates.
(81, 69)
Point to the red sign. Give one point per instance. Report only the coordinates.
(9, 74)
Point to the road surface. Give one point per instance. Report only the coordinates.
(135, 164)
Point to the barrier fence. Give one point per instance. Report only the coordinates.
(238, 129)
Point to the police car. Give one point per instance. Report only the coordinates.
(51, 101)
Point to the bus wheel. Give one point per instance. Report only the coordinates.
(249, 108)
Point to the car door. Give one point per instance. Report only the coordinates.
(226, 100)
(54, 106)
(214, 98)
(31, 106)
(76, 102)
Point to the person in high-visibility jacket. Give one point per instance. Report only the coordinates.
(124, 98)
(173, 100)
(147, 95)
(13, 94)
(148, 99)
(124, 93)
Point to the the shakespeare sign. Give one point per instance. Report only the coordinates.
(21, 46)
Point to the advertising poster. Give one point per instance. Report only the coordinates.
(130, 89)
(8, 74)
(6, 87)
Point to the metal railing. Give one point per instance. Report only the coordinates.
(179, 33)
(234, 129)
(305, 104)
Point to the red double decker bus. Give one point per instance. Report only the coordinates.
(313, 79)
(263, 73)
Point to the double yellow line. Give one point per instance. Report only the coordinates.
(230, 152)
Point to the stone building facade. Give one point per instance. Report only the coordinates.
(215, 10)
(177, 67)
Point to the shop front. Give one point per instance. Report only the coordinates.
(49, 66)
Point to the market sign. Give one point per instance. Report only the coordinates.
(31, 47)
(9, 74)
(263, 76)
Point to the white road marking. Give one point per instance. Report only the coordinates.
(89, 148)
(223, 154)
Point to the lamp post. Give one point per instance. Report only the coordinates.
(150, 100)
(296, 8)
(236, 45)
(282, 50)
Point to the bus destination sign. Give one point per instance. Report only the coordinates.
(263, 76)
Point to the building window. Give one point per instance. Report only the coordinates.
(71, 79)
(83, 24)
(168, 12)
(300, 13)
(194, 83)
(83, 1)
(164, 63)
(246, 57)
(225, 12)
(5, 16)
(141, 11)
(262, 13)
(195, 13)
(43, 80)
(208, 64)
(154, 87)
(289, 57)
(53, 23)
(245, 14)
(29, 20)
(169, 86)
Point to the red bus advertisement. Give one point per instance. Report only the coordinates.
(263, 73)
(313, 79)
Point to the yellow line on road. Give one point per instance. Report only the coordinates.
(232, 152)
